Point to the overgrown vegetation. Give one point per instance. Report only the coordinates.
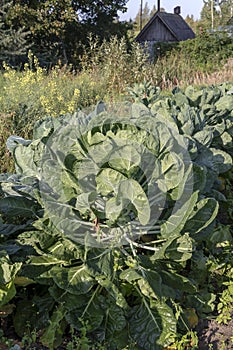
(106, 72)
(111, 224)
(206, 53)
(71, 265)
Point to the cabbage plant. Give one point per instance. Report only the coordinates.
(106, 222)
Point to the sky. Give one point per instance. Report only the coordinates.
(188, 7)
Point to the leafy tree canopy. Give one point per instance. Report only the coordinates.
(60, 28)
(13, 43)
(216, 13)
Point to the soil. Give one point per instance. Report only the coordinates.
(211, 336)
(215, 336)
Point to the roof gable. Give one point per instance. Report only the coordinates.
(174, 23)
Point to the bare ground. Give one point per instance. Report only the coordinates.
(211, 336)
(215, 336)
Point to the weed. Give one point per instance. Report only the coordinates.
(29, 339)
(79, 342)
(5, 343)
(189, 341)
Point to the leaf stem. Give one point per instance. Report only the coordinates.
(132, 243)
(99, 287)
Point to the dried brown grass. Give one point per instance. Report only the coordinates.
(218, 77)
(201, 79)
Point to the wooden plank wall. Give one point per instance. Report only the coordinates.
(157, 32)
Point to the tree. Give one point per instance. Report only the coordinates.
(216, 13)
(13, 43)
(191, 22)
(144, 17)
(60, 28)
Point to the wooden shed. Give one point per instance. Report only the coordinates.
(165, 27)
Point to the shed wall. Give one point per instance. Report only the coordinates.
(157, 32)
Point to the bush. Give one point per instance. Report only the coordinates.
(206, 53)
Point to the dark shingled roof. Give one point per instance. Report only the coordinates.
(174, 23)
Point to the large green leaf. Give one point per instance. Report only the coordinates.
(125, 156)
(204, 137)
(176, 221)
(91, 313)
(225, 102)
(101, 262)
(101, 153)
(114, 323)
(152, 326)
(68, 300)
(166, 136)
(131, 190)
(8, 270)
(52, 336)
(130, 275)
(173, 170)
(18, 206)
(7, 230)
(210, 95)
(215, 160)
(108, 181)
(85, 201)
(149, 281)
(28, 158)
(101, 313)
(222, 161)
(174, 284)
(201, 216)
(176, 248)
(180, 249)
(40, 240)
(187, 117)
(199, 177)
(44, 127)
(114, 210)
(113, 291)
(75, 280)
(7, 292)
(64, 249)
(194, 95)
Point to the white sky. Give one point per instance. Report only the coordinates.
(188, 7)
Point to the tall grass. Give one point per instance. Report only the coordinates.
(178, 70)
(114, 63)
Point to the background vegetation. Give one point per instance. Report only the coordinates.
(106, 71)
(51, 67)
(57, 30)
